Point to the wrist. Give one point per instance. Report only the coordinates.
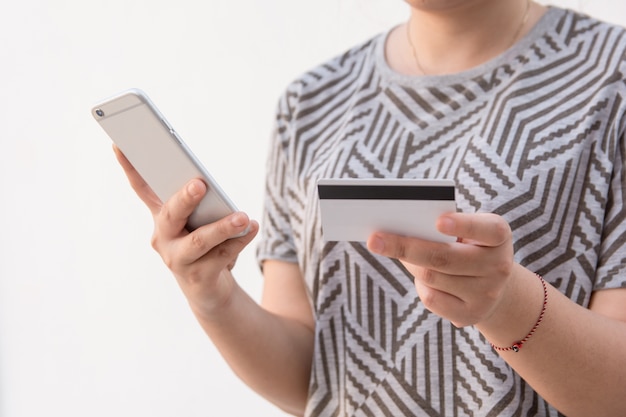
(211, 304)
(516, 346)
(519, 314)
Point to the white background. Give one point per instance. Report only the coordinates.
(91, 322)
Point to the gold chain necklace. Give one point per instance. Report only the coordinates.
(417, 61)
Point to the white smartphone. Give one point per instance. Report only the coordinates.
(352, 209)
(156, 151)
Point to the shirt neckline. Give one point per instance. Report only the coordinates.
(389, 75)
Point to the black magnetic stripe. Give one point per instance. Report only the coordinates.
(385, 192)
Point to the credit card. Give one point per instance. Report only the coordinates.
(352, 209)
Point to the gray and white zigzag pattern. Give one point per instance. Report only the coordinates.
(537, 140)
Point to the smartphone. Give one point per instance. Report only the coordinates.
(352, 209)
(158, 154)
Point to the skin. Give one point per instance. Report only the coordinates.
(473, 281)
(269, 346)
(454, 35)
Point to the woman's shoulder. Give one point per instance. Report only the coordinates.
(326, 81)
(573, 24)
(328, 74)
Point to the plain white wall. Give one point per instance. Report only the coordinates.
(91, 322)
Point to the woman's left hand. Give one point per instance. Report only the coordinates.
(464, 281)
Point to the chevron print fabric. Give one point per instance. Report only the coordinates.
(535, 135)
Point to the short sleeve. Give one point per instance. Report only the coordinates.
(611, 271)
(276, 240)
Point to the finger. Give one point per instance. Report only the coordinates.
(420, 252)
(448, 306)
(216, 260)
(465, 287)
(483, 229)
(141, 188)
(442, 303)
(226, 253)
(217, 237)
(174, 214)
(456, 258)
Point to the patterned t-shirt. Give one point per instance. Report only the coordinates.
(534, 135)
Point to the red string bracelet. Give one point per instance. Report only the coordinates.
(518, 345)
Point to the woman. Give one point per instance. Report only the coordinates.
(524, 314)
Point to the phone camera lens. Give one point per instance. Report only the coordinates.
(99, 112)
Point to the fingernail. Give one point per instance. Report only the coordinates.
(239, 220)
(446, 225)
(376, 244)
(196, 188)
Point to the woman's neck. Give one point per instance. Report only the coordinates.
(466, 33)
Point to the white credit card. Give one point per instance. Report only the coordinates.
(352, 209)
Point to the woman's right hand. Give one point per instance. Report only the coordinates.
(200, 260)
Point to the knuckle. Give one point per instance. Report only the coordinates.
(400, 251)
(504, 267)
(429, 299)
(165, 214)
(502, 230)
(439, 259)
(157, 245)
(224, 252)
(154, 241)
(428, 276)
(198, 243)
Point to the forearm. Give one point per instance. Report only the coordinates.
(575, 359)
(270, 353)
